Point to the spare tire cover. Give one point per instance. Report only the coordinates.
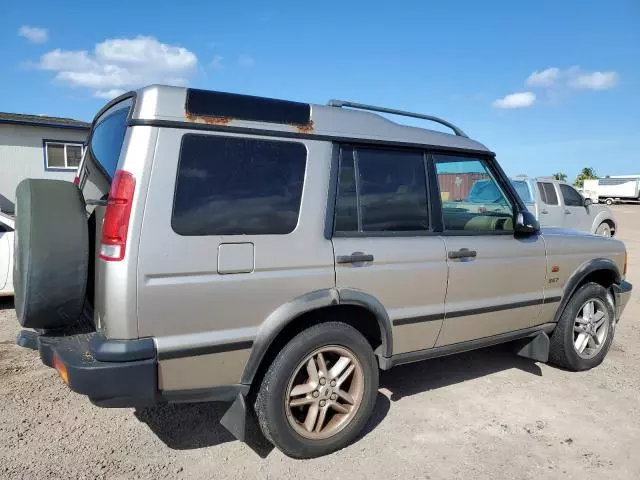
(51, 253)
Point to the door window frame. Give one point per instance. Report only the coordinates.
(337, 156)
(564, 200)
(497, 174)
(434, 201)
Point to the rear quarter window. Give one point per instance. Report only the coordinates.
(237, 186)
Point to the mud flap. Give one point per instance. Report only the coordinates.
(235, 419)
(536, 348)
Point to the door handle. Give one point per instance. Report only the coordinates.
(544, 211)
(567, 212)
(462, 253)
(355, 257)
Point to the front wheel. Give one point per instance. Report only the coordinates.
(609, 201)
(585, 330)
(319, 392)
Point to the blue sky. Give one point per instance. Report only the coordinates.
(548, 85)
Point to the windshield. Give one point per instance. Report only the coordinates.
(107, 138)
(523, 190)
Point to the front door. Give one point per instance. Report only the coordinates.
(550, 212)
(384, 245)
(496, 280)
(575, 213)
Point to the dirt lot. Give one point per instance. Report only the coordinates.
(486, 414)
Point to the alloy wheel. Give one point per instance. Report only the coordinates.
(324, 392)
(591, 328)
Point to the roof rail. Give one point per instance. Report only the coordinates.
(373, 108)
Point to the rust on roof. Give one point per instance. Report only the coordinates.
(210, 120)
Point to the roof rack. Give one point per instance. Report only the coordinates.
(373, 108)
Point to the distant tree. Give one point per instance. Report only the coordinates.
(560, 176)
(587, 173)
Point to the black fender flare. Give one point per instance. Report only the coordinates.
(288, 312)
(584, 270)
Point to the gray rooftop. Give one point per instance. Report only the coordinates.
(42, 121)
(164, 103)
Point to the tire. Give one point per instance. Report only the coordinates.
(563, 351)
(51, 254)
(604, 230)
(278, 420)
(609, 201)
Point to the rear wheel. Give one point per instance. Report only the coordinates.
(585, 330)
(319, 392)
(604, 230)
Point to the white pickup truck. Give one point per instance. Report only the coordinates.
(558, 204)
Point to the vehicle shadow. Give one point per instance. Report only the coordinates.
(6, 303)
(193, 426)
(411, 379)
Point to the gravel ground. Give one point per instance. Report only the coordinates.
(485, 414)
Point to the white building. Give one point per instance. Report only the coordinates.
(34, 146)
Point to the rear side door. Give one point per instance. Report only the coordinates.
(551, 213)
(575, 213)
(384, 243)
(496, 280)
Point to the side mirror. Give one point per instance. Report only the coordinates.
(587, 202)
(526, 223)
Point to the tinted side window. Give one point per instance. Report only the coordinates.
(571, 197)
(237, 186)
(392, 191)
(381, 191)
(548, 193)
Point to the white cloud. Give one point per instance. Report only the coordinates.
(119, 64)
(543, 78)
(516, 100)
(217, 62)
(573, 77)
(246, 61)
(595, 80)
(108, 94)
(34, 34)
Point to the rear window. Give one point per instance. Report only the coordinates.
(107, 138)
(237, 186)
(523, 190)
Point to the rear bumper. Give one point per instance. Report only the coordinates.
(125, 383)
(622, 294)
(115, 373)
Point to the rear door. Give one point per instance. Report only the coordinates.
(551, 213)
(576, 215)
(496, 280)
(384, 243)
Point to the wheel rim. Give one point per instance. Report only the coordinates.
(604, 230)
(324, 392)
(591, 328)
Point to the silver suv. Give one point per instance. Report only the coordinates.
(276, 255)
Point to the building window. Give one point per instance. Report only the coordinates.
(63, 155)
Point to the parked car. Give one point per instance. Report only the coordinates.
(277, 254)
(615, 189)
(558, 204)
(7, 226)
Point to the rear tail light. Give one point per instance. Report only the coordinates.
(116, 217)
(76, 180)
